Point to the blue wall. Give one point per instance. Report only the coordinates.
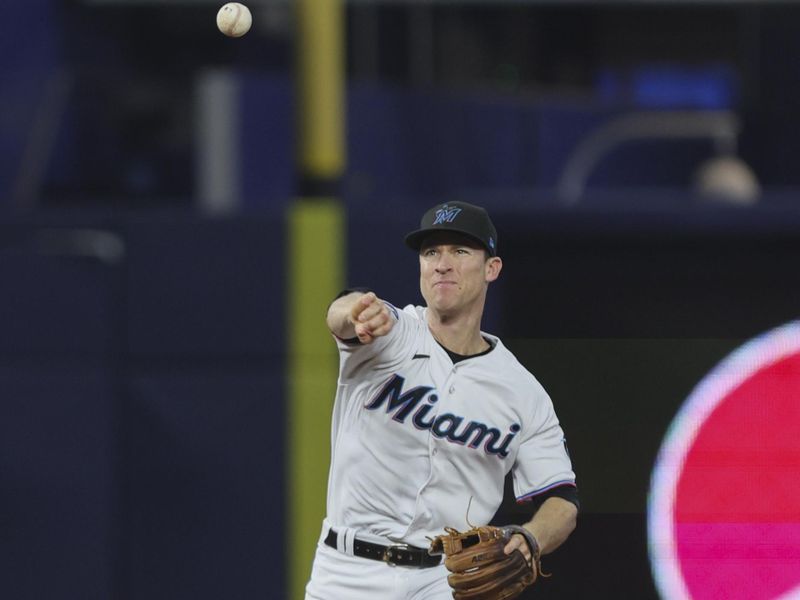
(28, 62)
(141, 410)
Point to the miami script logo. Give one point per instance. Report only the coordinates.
(416, 404)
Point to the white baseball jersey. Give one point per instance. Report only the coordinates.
(415, 437)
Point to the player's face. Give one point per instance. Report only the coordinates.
(454, 272)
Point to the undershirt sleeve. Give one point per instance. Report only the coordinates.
(566, 492)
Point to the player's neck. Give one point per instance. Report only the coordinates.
(460, 334)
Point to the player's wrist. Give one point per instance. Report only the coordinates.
(530, 539)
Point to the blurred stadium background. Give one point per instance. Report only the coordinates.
(168, 244)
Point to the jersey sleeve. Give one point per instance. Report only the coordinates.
(543, 462)
(384, 354)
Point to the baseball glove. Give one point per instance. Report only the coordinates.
(479, 569)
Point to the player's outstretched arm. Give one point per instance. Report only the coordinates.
(360, 315)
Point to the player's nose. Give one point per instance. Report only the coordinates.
(443, 265)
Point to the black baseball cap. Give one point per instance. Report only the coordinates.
(460, 217)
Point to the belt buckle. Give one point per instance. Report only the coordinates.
(388, 557)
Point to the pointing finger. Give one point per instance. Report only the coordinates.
(361, 305)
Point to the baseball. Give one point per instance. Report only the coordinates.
(234, 19)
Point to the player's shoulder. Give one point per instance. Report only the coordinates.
(513, 369)
(501, 353)
(409, 318)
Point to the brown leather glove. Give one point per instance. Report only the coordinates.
(479, 569)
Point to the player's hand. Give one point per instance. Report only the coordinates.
(371, 318)
(518, 542)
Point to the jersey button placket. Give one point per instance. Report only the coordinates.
(451, 388)
(444, 400)
(433, 441)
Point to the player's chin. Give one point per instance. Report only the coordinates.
(444, 306)
(442, 300)
(445, 292)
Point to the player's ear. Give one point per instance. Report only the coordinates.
(493, 266)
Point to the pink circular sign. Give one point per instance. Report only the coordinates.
(724, 506)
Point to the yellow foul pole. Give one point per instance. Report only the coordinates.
(316, 257)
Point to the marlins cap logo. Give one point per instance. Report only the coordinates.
(724, 510)
(446, 214)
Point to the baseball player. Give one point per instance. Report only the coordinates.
(430, 415)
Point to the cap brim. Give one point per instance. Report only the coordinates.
(415, 238)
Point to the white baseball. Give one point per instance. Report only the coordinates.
(234, 19)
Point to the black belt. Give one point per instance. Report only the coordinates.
(397, 554)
